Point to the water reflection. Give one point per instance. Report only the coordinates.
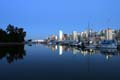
(12, 53)
(108, 53)
(60, 50)
(54, 62)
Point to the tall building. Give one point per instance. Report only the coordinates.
(79, 36)
(109, 34)
(75, 36)
(56, 37)
(117, 35)
(60, 35)
(102, 34)
(84, 35)
(65, 37)
(53, 37)
(70, 37)
(90, 33)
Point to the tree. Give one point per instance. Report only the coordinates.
(3, 36)
(10, 28)
(21, 34)
(12, 34)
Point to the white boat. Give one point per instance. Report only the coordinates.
(109, 44)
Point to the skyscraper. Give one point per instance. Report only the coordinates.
(75, 36)
(60, 35)
(109, 34)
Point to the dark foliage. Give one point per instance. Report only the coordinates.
(12, 34)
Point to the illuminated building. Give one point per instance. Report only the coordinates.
(109, 34)
(60, 35)
(75, 36)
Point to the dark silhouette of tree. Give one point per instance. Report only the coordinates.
(12, 34)
(3, 36)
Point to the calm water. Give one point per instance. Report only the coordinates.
(43, 62)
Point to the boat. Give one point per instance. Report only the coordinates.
(109, 44)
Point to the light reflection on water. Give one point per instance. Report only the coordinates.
(108, 53)
(45, 62)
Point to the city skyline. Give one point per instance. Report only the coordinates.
(105, 34)
(41, 19)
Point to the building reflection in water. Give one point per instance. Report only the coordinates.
(56, 47)
(108, 53)
(75, 51)
(60, 50)
(52, 47)
(12, 53)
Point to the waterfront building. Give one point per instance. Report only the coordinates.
(84, 35)
(70, 37)
(102, 35)
(56, 37)
(90, 33)
(65, 37)
(75, 36)
(60, 35)
(53, 37)
(79, 36)
(109, 34)
(118, 37)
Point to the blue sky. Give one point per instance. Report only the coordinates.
(42, 18)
